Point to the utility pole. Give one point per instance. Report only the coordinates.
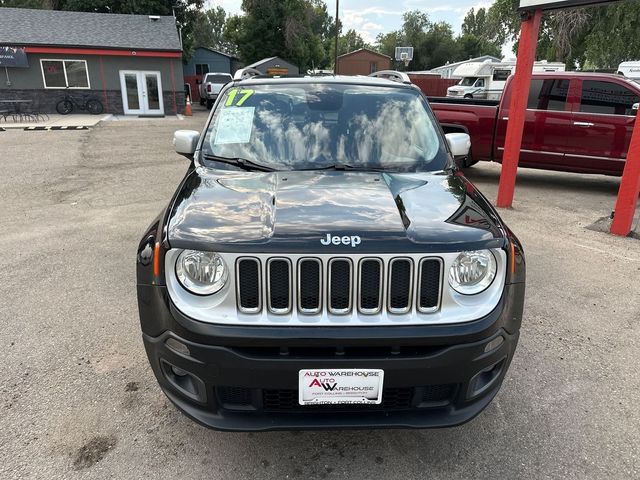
(335, 59)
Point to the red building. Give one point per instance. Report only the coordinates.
(362, 62)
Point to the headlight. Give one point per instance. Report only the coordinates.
(202, 273)
(472, 272)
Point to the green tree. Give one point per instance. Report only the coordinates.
(293, 29)
(387, 42)
(433, 43)
(481, 35)
(37, 4)
(209, 31)
(613, 35)
(471, 46)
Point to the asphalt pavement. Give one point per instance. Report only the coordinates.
(78, 399)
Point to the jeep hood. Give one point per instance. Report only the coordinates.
(290, 212)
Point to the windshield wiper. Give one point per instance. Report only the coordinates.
(345, 167)
(243, 163)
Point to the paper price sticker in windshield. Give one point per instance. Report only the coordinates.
(234, 125)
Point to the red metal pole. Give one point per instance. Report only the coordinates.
(518, 107)
(629, 187)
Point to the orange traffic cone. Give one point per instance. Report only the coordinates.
(187, 108)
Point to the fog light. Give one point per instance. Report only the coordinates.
(485, 379)
(185, 382)
(178, 371)
(493, 344)
(177, 346)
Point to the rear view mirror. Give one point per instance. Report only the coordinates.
(185, 142)
(459, 144)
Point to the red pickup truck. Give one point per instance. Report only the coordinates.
(575, 122)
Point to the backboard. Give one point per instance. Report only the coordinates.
(404, 54)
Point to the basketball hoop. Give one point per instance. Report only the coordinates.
(404, 55)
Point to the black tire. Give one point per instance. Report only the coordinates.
(202, 101)
(64, 107)
(209, 104)
(94, 107)
(468, 96)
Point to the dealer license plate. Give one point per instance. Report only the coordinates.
(340, 386)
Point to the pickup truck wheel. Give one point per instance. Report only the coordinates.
(468, 95)
(209, 104)
(202, 101)
(469, 161)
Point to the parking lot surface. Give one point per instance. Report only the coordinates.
(79, 400)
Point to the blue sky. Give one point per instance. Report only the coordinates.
(370, 17)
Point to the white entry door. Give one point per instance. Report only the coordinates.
(141, 92)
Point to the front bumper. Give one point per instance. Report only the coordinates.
(245, 378)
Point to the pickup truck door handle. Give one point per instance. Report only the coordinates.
(506, 119)
(583, 124)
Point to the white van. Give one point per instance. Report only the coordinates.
(486, 80)
(630, 70)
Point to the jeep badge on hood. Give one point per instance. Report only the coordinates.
(353, 240)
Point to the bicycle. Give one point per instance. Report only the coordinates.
(68, 103)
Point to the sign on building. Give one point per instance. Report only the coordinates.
(13, 57)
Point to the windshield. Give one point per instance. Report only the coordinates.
(468, 81)
(315, 126)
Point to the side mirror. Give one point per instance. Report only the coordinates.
(459, 144)
(185, 142)
(635, 107)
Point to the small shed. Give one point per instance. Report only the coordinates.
(275, 66)
(207, 60)
(362, 62)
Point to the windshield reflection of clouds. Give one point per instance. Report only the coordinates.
(359, 126)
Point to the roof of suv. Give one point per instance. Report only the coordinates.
(325, 79)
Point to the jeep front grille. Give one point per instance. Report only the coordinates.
(340, 286)
(400, 276)
(249, 291)
(310, 289)
(279, 285)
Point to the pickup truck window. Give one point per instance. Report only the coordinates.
(314, 126)
(212, 78)
(607, 97)
(550, 94)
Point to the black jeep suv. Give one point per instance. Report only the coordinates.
(324, 264)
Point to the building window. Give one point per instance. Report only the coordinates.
(65, 73)
(373, 67)
(202, 68)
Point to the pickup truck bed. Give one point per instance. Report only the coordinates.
(575, 122)
(477, 117)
